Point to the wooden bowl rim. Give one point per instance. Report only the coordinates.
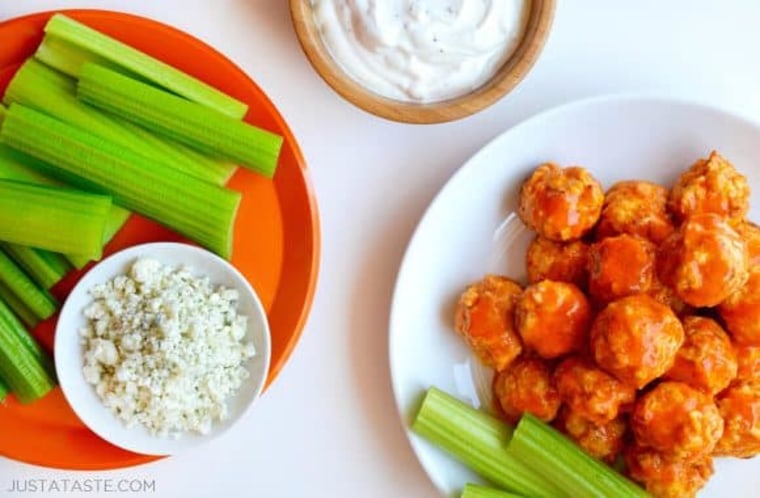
(506, 78)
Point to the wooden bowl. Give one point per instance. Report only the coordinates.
(511, 73)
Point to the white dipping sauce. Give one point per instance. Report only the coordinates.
(421, 50)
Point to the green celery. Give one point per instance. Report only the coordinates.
(476, 491)
(4, 390)
(39, 301)
(56, 219)
(18, 306)
(578, 474)
(92, 45)
(38, 86)
(198, 210)
(44, 267)
(182, 120)
(480, 441)
(15, 165)
(24, 373)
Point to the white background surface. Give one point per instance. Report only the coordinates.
(328, 426)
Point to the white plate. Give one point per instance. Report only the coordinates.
(458, 240)
(69, 351)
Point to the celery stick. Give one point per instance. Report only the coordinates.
(480, 441)
(44, 267)
(23, 372)
(37, 86)
(56, 219)
(103, 47)
(15, 165)
(476, 491)
(3, 390)
(545, 449)
(180, 119)
(18, 306)
(40, 302)
(198, 210)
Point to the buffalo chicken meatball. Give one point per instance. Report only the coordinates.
(561, 203)
(636, 208)
(526, 386)
(603, 441)
(591, 392)
(485, 319)
(707, 360)
(711, 185)
(747, 362)
(739, 406)
(664, 477)
(741, 311)
(620, 266)
(553, 318)
(677, 420)
(561, 261)
(705, 261)
(636, 339)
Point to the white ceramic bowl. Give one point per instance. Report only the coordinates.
(69, 353)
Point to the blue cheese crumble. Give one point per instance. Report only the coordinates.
(164, 348)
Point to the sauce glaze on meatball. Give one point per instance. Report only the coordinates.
(553, 318)
(636, 208)
(739, 406)
(677, 420)
(705, 261)
(603, 441)
(620, 266)
(707, 360)
(664, 477)
(485, 319)
(636, 339)
(560, 261)
(561, 203)
(526, 386)
(590, 392)
(711, 185)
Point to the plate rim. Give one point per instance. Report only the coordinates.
(466, 166)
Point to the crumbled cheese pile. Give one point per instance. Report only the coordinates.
(164, 348)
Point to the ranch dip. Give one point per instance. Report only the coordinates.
(421, 50)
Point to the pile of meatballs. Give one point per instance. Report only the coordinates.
(638, 334)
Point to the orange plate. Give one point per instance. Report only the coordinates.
(276, 235)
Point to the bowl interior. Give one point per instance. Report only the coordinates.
(509, 75)
(69, 353)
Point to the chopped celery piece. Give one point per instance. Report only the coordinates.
(182, 120)
(480, 441)
(24, 373)
(56, 219)
(18, 306)
(103, 47)
(44, 267)
(37, 86)
(198, 210)
(476, 491)
(116, 219)
(543, 448)
(15, 165)
(39, 301)
(3, 390)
